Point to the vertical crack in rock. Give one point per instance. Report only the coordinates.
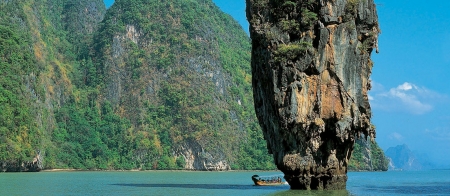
(311, 66)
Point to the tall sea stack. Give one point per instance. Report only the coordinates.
(311, 66)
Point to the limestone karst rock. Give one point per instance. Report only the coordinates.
(311, 66)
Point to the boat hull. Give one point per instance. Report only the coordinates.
(260, 182)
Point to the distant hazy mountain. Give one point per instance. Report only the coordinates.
(402, 158)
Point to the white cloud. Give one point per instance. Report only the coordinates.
(406, 97)
(405, 86)
(395, 136)
(408, 94)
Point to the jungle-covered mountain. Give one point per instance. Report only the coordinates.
(367, 156)
(146, 84)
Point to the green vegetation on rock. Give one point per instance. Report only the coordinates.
(19, 131)
(367, 156)
(140, 86)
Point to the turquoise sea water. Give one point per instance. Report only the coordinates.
(435, 182)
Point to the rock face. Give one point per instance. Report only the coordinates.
(197, 158)
(23, 166)
(311, 66)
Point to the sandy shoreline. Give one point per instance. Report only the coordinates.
(65, 170)
(57, 170)
(136, 170)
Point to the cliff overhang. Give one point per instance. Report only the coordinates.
(310, 75)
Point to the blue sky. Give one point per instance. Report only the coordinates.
(410, 97)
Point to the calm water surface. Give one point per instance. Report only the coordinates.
(212, 183)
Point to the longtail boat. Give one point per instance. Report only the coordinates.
(268, 180)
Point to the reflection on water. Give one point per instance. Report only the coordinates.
(207, 186)
(312, 193)
(276, 190)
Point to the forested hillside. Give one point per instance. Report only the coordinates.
(18, 130)
(38, 62)
(148, 84)
(166, 86)
(155, 85)
(368, 156)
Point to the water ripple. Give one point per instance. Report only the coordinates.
(413, 189)
(207, 186)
